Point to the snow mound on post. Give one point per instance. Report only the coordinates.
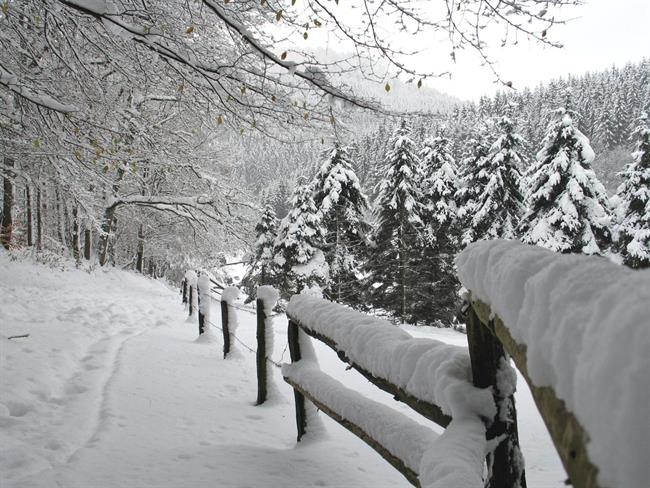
(191, 277)
(230, 294)
(427, 369)
(584, 321)
(204, 291)
(269, 296)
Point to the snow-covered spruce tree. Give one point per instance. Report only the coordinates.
(339, 199)
(391, 264)
(634, 195)
(473, 180)
(436, 289)
(263, 270)
(298, 245)
(567, 206)
(499, 204)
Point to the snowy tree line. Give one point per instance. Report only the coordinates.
(397, 254)
(607, 104)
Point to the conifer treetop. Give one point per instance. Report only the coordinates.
(336, 181)
(568, 207)
(398, 189)
(634, 195)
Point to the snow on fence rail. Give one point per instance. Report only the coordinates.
(577, 329)
(437, 380)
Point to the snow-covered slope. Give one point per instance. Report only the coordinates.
(111, 389)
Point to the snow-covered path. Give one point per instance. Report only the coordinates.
(136, 401)
(112, 389)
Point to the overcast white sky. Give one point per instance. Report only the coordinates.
(606, 32)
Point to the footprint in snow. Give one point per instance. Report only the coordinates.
(18, 409)
(53, 445)
(75, 389)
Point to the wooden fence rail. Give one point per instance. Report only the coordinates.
(424, 408)
(486, 356)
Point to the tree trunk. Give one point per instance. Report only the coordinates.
(29, 219)
(107, 224)
(88, 235)
(6, 228)
(402, 272)
(68, 230)
(87, 242)
(76, 234)
(39, 220)
(59, 218)
(104, 238)
(140, 254)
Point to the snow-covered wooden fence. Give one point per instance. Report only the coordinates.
(576, 328)
(267, 298)
(433, 378)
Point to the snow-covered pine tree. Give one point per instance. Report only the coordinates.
(436, 287)
(606, 126)
(499, 202)
(398, 208)
(298, 245)
(473, 181)
(567, 206)
(634, 195)
(342, 204)
(262, 270)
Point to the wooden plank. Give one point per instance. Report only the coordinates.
(568, 435)
(294, 350)
(426, 409)
(396, 462)
(261, 352)
(486, 355)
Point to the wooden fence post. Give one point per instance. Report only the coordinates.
(224, 326)
(199, 298)
(294, 349)
(261, 352)
(487, 355)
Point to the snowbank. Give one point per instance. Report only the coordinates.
(53, 383)
(584, 321)
(427, 369)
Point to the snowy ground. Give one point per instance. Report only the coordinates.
(112, 389)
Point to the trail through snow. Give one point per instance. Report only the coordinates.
(112, 389)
